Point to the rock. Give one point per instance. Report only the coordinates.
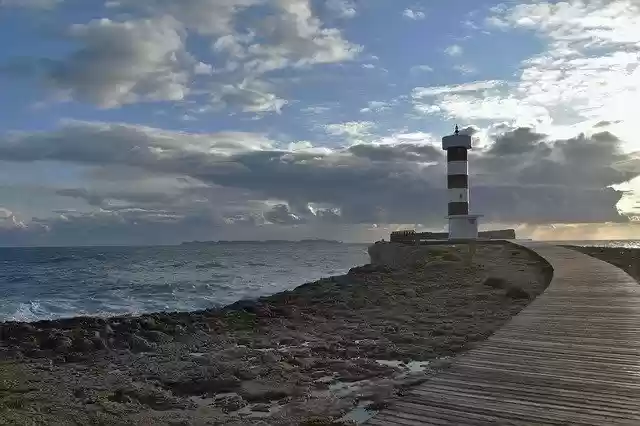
(149, 323)
(378, 405)
(138, 344)
(369, 268)
(120, 396)
(197, 384)
(517, 293)
(155, 398)
(80, 393)
(98, 343)
(247, 373)
(254, 391)
(83, 344)
(157, 336)
(262, 408)
(270, 357)
(58, 343)
(496, 282)
(107, 330)
(232, 402)
(287, 311)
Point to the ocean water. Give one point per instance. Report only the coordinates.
(48, 283)
(603, 243)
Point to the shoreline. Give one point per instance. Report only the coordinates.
(334, 347)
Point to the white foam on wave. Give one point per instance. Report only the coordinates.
(31, 311)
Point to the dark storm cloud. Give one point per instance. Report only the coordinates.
(523, 177)
(519, 141)
(401, 152)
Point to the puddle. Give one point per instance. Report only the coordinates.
(410, 367)
(246, 411)
(358, 415)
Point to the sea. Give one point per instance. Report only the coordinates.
(60, 282)
(51, 283)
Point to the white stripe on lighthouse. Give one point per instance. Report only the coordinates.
(457, 168)
(458, 195)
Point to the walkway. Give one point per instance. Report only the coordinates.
(572, 357)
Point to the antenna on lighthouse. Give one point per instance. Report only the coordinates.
(457, 130)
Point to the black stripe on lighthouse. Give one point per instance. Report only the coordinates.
(457, 181)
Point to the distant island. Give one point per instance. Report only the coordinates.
(309, 240)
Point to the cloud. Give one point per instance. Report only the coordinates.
(465, 69)
(377, 106)
(8, 220)
(587, 71)
(144, 59)
(230, 178)
(421, 68)
(250, 96)
(202, 69)
(414, 15)
(206, 17)
(124, 62)
(476, 87)
(488, 100)
(342, 8)
(350, 129)
(454, 50)
(280, 214)
(298, 40)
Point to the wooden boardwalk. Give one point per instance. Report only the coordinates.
(572, 357)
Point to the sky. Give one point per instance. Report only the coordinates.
(161, 121)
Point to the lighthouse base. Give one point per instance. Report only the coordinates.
(463, 227)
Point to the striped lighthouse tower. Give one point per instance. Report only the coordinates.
(462, 225)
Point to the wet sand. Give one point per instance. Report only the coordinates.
(332, 350)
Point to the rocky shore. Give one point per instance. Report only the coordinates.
(627, 259)
(328, 352)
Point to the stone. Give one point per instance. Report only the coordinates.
(232, 402)
(197, 384)
(496, 282)
(157, 336)
(517, 293)
(149, 323)
(139, 344)
(262, 408)
(98, 343)
(254, 391)
(60, 343)
(82, 344)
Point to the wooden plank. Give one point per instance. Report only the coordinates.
(572, 357)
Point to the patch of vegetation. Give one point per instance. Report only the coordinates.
(240, 320)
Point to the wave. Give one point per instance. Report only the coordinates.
(30, 311)
(60, 259)
(16, 278)
(209, 265)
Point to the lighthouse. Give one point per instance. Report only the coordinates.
(462, 225)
